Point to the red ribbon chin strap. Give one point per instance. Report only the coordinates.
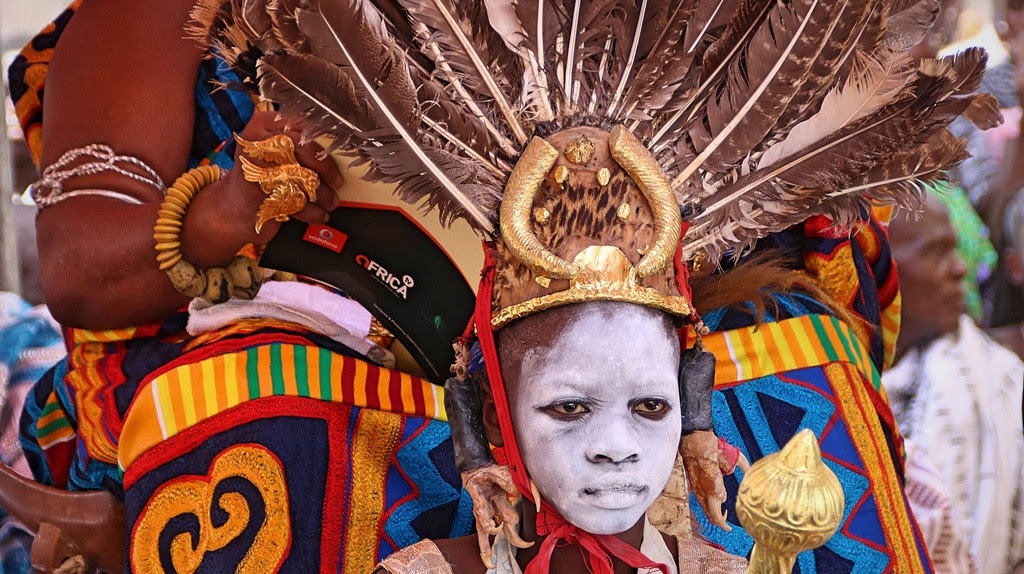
(484, 333)
(597, 549)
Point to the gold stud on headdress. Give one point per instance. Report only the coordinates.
(580, 150)
(541, 215)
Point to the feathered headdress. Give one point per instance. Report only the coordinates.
(759, 113)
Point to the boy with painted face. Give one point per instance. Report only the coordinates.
(583, 396)
(594, 396)
(593, 393)
(598, 399)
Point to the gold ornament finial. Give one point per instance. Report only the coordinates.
(580, 150)
(287, 184)
(789, 502)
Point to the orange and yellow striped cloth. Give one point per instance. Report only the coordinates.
(185, 395)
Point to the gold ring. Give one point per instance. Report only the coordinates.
(287, 184)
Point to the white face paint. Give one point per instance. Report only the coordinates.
(597, 415)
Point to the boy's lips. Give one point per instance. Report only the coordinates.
(614, 495)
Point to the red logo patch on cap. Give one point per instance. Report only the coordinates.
(326, 237)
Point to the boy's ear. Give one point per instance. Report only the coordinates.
(490, 414)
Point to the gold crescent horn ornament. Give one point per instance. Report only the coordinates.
(520, 191)
(598, 272)
(628, 152)
(287, 184)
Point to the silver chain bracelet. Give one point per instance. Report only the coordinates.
(49, 189)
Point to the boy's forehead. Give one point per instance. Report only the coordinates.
(602, 327)
(594, 340)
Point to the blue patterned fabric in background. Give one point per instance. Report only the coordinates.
(30, 343)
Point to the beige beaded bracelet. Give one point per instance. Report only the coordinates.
(240, 278)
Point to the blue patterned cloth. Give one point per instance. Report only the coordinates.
(30, 343)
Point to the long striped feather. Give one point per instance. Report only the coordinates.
(449, 36)
(333, 14)
(873, 84)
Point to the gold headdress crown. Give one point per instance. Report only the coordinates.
(597, 173)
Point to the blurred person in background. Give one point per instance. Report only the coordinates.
(30, 343)
(995, 171)
(1011, 335)
(956, 395)
(973, 244)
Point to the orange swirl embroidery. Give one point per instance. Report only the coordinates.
(195, 495)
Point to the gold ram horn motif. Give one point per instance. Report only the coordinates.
(629, 153)
(598, 272)
(528, 175)
(517, 204)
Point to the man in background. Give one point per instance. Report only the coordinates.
(956, 395)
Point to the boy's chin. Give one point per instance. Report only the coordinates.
(603, 521)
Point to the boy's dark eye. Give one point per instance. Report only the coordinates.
(569, 408)
(650, 407)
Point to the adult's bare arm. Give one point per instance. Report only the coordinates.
(123, 75)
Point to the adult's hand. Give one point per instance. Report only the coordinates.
(222, 217)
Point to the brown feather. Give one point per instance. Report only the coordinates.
(748, 19)
(709, 22)
(540, 22)
(438, 106)
(486, 44)
(663, 68)
(600, 34)
(285, 28)
(390, 163)
(983, 111)
(762, 80)
(847, 29)
(317, 95)
(780, 195)
(925, 162)
(769, 110)
(908, 25)
(351, 33)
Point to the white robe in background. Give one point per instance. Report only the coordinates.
(959, 400)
